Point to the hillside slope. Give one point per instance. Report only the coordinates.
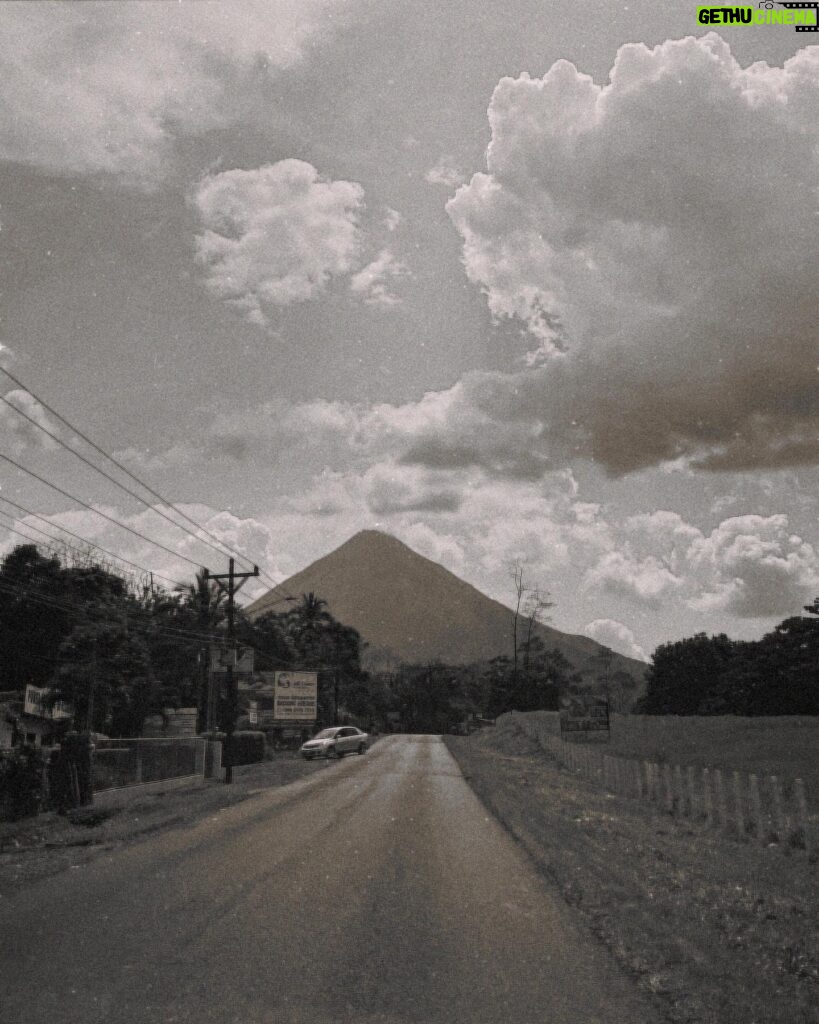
(410, 608)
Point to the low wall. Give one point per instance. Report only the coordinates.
(124, 795)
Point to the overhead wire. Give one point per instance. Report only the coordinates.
(187, 637)
(83, 540)
(104, 515)
(152, 491)
(107, 476)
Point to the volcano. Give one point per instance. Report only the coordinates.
(409, 608)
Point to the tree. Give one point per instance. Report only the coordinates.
(516, 574)
(535, 608)
(684, 673)
(715, 675)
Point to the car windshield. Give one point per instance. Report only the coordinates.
(325, 734)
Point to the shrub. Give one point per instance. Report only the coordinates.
(21, 783)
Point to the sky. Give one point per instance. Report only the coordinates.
(525, 282)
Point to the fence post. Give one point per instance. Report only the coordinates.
(780, 822)
(802, 811)
(649, 781)
(756, 808)
(722, 809)
(707, 802)
(138, 765)
(667, 788)
(638, 779)
(691, 788)
(739, 805)
(679, 792)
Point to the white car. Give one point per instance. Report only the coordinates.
(335, 742)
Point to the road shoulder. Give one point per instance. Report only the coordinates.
(713, 930)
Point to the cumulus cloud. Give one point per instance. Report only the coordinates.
(372, 282)
(445, 173)
(275, 235)
(251, 537)
(391, 488)
(107, 87)
(392, 219)
(749, 566)
(754, 567)
(647, 581)
(22, 432)
(657, 237)
(615, 635)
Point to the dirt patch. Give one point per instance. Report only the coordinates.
(50, 843)
(719, 932)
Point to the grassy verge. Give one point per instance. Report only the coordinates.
(719, 932)
(782, 746)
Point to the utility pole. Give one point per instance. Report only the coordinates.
(231, 590)
(92, 685)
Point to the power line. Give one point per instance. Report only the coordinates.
(154, 493)
(84, 540)
(102, 472)
(104, 515)
(171, 633)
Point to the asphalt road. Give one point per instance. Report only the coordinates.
(378, 890)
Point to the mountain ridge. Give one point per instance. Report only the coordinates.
(408, 607)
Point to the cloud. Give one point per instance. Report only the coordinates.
(615, 635)
(249, 536)
(754, 567)
(391, 489)
(445, 173)
(372, 282)
(646, 581)
(657, 237)
(392, 219)
(107, 87)
(275, 235)
(21, 432)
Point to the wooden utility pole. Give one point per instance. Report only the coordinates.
(231, 589)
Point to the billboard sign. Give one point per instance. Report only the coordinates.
(38, 704)
(239, 658)
(584, 714)
(295, 697)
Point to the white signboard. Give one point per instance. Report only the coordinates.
(37, 703)
(240, 658)
(294, 696)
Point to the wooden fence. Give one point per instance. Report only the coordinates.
(754, 808)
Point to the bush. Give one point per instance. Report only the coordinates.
(248, 745)
(21, 783)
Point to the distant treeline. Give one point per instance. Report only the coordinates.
(702, 675)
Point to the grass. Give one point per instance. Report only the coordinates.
(787, 747)
(717, 932)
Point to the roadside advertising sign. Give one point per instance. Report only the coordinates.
(295, 696)
(37, 703)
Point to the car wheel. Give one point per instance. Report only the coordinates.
(362, 747)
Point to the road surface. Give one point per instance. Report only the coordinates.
(378, 890)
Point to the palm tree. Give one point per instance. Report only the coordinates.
(203, 600)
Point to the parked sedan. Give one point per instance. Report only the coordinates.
(335, 742)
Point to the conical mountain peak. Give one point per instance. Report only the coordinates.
(410, 608)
